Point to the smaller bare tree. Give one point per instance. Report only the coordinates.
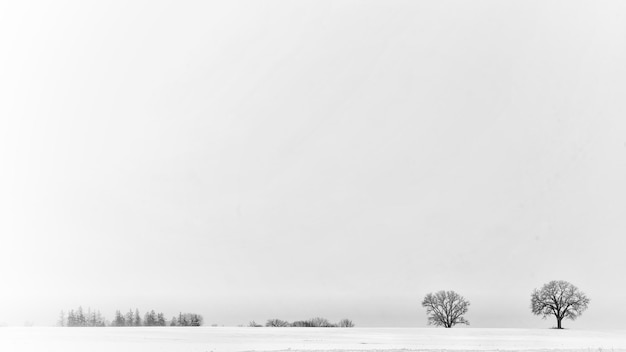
(277, 323)
(445, 308)
(320, 322)
(345, 323)
(559, 298)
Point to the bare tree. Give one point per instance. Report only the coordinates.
(345, 323)
(445, 308)
(320, 323)
(559, 298)
(277, 323)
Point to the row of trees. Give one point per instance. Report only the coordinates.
(311, 323)
(128, 319)
(79, 317)
(557, 298)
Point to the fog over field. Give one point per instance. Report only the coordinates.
(254, 160)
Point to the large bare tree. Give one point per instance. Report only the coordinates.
(559, 298)
(445, 308)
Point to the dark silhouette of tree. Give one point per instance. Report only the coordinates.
(445, 308)
(173, 322)
(559, 298)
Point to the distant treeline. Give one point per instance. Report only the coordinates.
(311, 323)
(79, 317)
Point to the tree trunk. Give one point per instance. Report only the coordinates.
(558, 323)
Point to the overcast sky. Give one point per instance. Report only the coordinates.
(280, 159)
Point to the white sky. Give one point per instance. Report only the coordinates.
(278, 159)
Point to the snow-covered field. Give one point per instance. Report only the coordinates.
(206, 339)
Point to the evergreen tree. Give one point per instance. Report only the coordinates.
(100, 319)
(130, 318)
(118, 320)
(160, 319)
(80, 317)
(195, 320)
(61, 321)
(146, 319)
(137, 321)
(71, 318)
(91, 317)
(150, 318)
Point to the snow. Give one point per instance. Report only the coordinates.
(226, 339)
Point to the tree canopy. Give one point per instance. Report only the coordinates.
(559, 298)
(445, 308)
